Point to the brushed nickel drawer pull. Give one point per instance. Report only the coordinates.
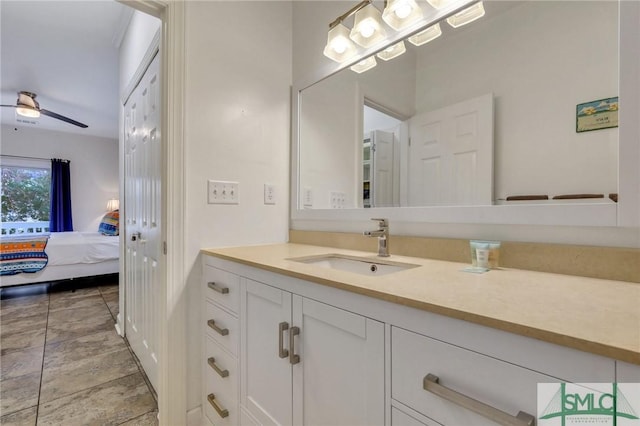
(212, 364)
(222, 412)
(213, 286)
(222, 331)
(293, 358)
(282, 351)
(431, 384)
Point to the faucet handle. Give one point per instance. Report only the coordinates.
(383, 223)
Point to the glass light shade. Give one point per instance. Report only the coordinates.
(28, 112)
(468, 15)
(438, 4)
(400, 14)
(113, 204)
(392, 51)
(364, 65)
(339, 46)
(426, 36)
(367, 27)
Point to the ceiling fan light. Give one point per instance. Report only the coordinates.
(339, 46)
(426, 36)
(28, 112)
(400, 14)
(364, 65)
(392, 51)
(467, 16)
(367, 27)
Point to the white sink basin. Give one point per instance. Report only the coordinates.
(354, 264)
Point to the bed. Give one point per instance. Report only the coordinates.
(70, 255)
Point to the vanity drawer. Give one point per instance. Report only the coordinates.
(223, 287)
(221, 380)
(501, 385)
(222, 327)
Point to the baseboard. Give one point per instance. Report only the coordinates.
(118, 329)
(194, 417)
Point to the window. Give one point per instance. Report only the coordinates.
(25, 186)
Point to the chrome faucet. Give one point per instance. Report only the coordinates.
(383, 236)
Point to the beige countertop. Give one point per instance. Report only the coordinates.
(589, 314)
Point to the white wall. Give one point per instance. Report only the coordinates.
(238, 77)
(94, 167)
(142, 28)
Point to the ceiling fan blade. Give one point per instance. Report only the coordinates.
(10, 106)
(63, 118)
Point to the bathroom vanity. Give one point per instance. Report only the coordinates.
(292, 340)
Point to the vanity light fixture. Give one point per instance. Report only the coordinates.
(392, 51)
(339, 46)
(399, 14)
(426, 36)
(364, 65)
(466, 16)
(368, 29)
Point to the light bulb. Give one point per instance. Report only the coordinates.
(339, 45)
(367, 28)
(403, 10)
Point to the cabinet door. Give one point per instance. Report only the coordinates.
(266, 390)
(340, 377)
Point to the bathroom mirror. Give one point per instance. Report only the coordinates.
(511, 81)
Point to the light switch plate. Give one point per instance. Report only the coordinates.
(307, 197)
(222, 192)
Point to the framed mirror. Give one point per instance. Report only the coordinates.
(512, 80)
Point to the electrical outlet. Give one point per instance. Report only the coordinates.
(307, 197)
(269, 193)
(338, 200)
(221, 192)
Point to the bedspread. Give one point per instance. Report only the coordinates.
(23, 254)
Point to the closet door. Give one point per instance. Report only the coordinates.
(142, 218)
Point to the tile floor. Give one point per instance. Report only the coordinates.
(62, 362)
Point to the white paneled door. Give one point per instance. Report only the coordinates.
(451, 155)
(142, 218)
(383, 168)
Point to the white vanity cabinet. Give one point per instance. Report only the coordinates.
(301, 353)
(309, 363)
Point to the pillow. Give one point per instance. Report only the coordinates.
(110, 223)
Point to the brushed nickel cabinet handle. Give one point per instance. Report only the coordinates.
(213, 286)
(282, 351)
(221, 372)
(293, 358)
(222, 331)
(431, 384)
(222, 412)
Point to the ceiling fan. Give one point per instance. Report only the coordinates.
(27, 106)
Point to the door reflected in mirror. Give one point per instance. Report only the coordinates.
(483, 112)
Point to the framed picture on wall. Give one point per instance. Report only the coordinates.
(596, 115)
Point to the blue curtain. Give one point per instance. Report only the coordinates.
(60, 213)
